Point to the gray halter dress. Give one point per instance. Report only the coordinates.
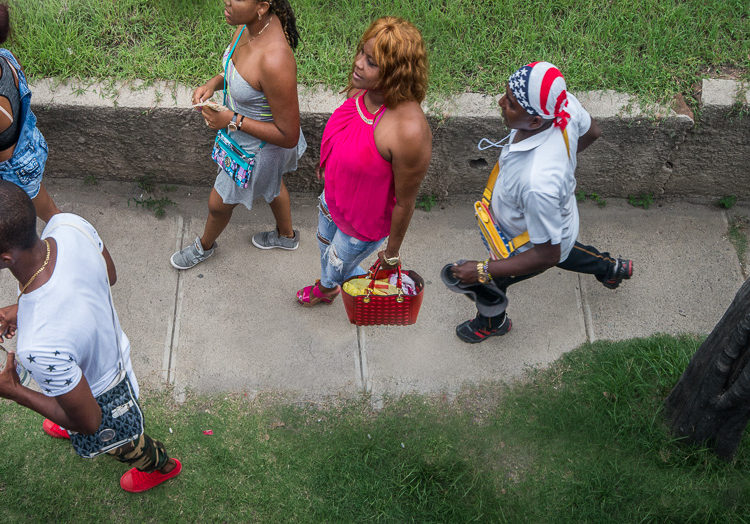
(271, 160)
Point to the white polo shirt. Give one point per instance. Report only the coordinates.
(535, 190)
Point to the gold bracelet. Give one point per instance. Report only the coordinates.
(392, 261)
(481, 273)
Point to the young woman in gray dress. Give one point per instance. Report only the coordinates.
(261, 78)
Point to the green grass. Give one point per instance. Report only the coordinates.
(727, 202)
(582, 196)
(653, 48)
(149, 198)
(643, 200)
(582, 441)
(157, 205)
(426, 202)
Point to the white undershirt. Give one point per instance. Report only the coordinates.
(65, 327)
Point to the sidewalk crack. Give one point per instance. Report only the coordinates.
(364, 372)
(588, 322)
(169, 360)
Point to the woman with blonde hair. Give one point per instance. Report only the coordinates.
(374, 154)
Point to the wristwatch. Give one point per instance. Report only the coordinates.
(232, 125)
(392, 261)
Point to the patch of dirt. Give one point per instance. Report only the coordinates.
(481, 400)
(681, 107)
(724, 72)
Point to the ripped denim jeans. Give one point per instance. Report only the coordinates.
(340, 254)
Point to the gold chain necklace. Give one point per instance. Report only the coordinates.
(46, 261)
(368, 121)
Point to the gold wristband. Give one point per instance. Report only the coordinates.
(483, 274)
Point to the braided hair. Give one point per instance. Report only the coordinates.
(283, 10)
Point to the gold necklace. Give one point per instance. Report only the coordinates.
(249, 38)
(46, 261)
(368, 121)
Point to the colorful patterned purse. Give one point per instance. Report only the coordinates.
(230, 156)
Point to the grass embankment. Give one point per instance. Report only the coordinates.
(652, 48)
(582, 441)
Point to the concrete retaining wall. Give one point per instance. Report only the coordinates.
(124, 131)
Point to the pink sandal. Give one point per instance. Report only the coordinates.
(311, 295)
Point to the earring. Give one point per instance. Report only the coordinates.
(258, 16)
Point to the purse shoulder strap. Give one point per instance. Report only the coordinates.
(115, 324)
(226, 71)
(567, 144)
(487, 193)
(521, 239)
(229, 59)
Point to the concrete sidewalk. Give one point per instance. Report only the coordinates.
(233, 324)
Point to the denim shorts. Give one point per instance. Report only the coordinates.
(26, 166)
(340, 254)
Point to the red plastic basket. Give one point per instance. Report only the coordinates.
(384, 310)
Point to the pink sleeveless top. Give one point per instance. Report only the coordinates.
(359, 187)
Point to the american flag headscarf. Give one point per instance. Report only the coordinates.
(540, 89)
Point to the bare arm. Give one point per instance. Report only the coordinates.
(535, 260)
(279, 84)
(76, 410)
(411, 149)
(590, 136)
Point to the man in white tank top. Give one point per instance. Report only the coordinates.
(68, 330)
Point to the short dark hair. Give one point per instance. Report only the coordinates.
(17, 218)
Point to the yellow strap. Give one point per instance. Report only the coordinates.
(487, 194)
(520, 240)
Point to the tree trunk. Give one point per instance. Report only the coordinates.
(710, 405)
